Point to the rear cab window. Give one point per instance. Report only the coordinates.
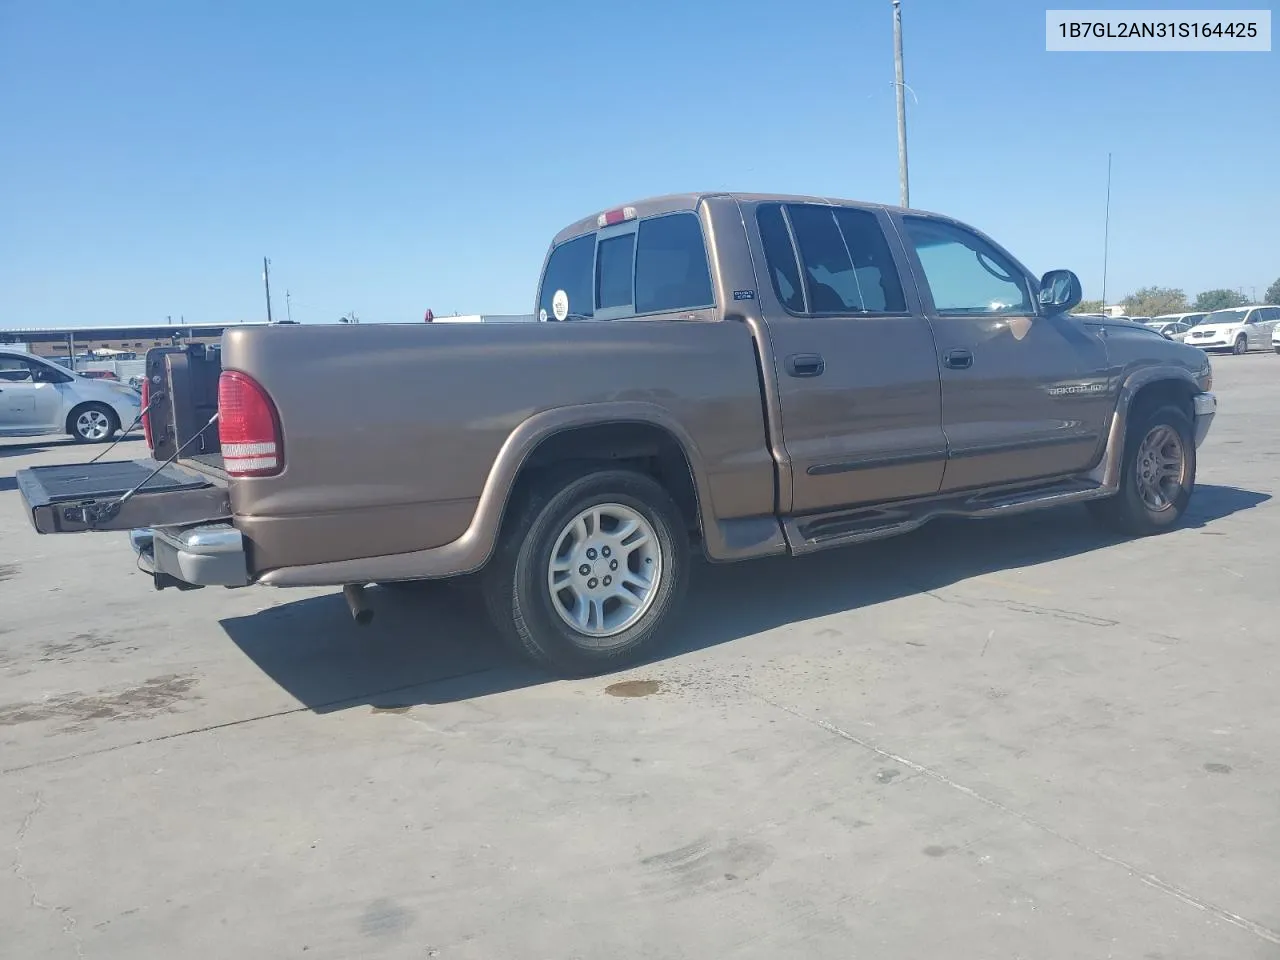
(636, 268)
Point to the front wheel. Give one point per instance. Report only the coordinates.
(585, 579)
(1156, 478)
(93, 423)
(1241, 346)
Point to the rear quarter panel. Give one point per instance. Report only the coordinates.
(390, 431)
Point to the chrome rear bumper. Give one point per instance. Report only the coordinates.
(209, 555)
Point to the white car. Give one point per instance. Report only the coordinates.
(38, 397)
(1239, 330)
(1170, 329)
(1275, 338)
(1186, 319)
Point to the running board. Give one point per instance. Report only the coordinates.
(822, 532)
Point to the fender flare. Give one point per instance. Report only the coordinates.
(1107, 472)
(471, 551)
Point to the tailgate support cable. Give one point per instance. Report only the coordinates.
(136, 420)
(92, 514)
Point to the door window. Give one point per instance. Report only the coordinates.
(965, 274)
(780, 257)
(847, 266)
(16, 370)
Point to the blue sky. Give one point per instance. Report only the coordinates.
(395, 156)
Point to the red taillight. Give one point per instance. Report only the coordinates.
(247, 427)
(146, 416)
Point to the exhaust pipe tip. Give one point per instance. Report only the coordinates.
(358, 604)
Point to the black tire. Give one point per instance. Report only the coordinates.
(519, 598)
(1241, 346)
(1127, 512)
(1276, 349)
(84, 423)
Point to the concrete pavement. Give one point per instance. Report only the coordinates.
(1020, 738)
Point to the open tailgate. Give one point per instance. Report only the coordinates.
(73, 497)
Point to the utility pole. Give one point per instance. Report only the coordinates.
(288, 306)
(903, 189)
(1106, 234)
(266, 281)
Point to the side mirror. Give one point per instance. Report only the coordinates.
(1059, 291)
(45, 375)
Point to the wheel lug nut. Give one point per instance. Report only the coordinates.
(607, 580)
(613, 564)
(584, 569)
(604, 551)
(591, 553)
(592, 583)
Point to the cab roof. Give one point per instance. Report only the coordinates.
(675, 202)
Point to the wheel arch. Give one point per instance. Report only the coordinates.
(1142, 391)
(641, 422)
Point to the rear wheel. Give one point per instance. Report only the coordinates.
(585, 579)
(1241, 346)
(92, 423)
(1156, 478)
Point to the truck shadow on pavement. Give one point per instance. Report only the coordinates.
(433, 645)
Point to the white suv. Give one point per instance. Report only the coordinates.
(1239, 330)
(38, 397)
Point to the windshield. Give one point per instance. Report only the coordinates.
(1226, 316)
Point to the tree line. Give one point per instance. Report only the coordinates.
(1156, 301)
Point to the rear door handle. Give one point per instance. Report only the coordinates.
(959, 360)
(805, 365)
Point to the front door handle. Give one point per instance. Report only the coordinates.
(959, 359)
(806, 365)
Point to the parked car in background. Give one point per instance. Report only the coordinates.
(1140, 319)
(98, 374)
(38, 397)
(1189, 319)
(1170, 329)
(693, 393)
(1238, 330)
(1275, 338)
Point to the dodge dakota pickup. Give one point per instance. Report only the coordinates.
(737, 375)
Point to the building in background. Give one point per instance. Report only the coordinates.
(64, 342)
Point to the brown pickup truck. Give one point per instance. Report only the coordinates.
(738, 375)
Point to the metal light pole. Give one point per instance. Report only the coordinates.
(266, 282)
(288, 305)
(903, 189)
(1106, 235)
